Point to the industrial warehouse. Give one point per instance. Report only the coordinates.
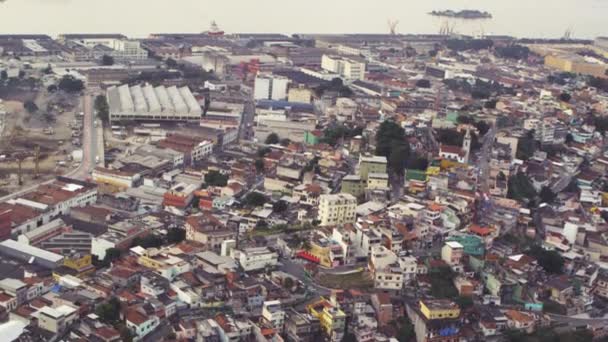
(152, 103)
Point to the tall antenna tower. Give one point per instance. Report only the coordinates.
(392, 26)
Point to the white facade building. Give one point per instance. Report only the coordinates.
(270, 87)
(350, 69)
(256, 258)
(273, 313)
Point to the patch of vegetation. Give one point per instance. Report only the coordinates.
(442, 285)
(255, 199)
(102, 108)
(391, 143)
(335, 85)
(512, 51)
(334, 134)
(356, 280)
(215, 178)
(70, 84)
(551, 261)
(469, 44)
(520, 188)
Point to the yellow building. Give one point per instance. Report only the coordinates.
(326, 252)
(76, 264)
(335, 209)
(300, 94)
(331, 318)
(119, 180)
(439, 309)
(575, 64)
(166, 265)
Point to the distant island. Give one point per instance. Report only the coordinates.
(464, 14)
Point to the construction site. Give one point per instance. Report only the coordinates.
(38, 145)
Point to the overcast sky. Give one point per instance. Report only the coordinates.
(586, 18)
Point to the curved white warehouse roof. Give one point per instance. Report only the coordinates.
(193, 106)
(152, 99)
(178, 102)
(163, 98)
(138, 99)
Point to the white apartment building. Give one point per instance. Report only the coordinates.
(255, 258)
(273, 313)
(383, 264)
(202, 150)
(409, 268)
(337, 209)
(270, 87)
(350, 69)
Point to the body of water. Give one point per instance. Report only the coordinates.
(138, 18)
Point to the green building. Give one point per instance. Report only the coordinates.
(354, 185)
(473, 245)
(371, 164)
(312, 137)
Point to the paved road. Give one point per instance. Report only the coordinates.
(297, 270)
(578, 321)
(484, 161)
(246, 127)
(89, 141)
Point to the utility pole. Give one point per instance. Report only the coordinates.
(19, 161)
(36, 161)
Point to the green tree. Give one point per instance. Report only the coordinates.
(112, 254)
(30, 106)
(550, 261)
(3, 75)
(288, 283)
(215, 178)
(335, 133)
(70, 84)
(102, 108)
(176, 235)
(280, 206)
(259, 165)
(107, 60)
(405, 330)
(520, 187)
(565, 97)
(423, 83)
(526, 146)
(391, 143)
(255, 199)
(547, 195)
(126, 335)
(48, 70)
(109, 312)
(389, 134)
(272, 139)
(398, 158)
(490, 104)
(512, 51)
(148, 241)
(442, 285)
(171, 63)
